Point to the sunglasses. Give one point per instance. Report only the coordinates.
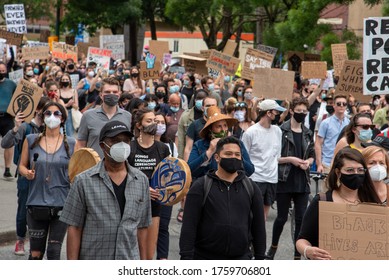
(366, 126)
(48, 113)
(339, 104)
(240, 105)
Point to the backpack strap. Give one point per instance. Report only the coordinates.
(249, 187)
(207, 187)
(322, 196)
(171, 145)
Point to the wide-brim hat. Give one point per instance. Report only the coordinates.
(214, 115)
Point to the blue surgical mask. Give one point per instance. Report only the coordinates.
(197, 81)
(174, 109)
(211, 87)
(36, 71)
(240, 115)
(199, 104)
(147, 89)
(151, 105)
(174, 89)
(239, 93)
(365, 135)
(111, 72)
(227, 79)
(323, 96)
(186, 82)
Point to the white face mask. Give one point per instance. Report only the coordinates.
(52, 121)
(161, 128)
(378, 172)
(91, 74)
(240, 115)
(119, 152)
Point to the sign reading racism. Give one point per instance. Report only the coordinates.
(376, 56)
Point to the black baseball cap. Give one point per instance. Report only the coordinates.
(380, 140)
(113, 128)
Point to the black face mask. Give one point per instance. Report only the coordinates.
(352, 181)
(71, 66)
(111, 100)
(299, 117)
(150, 129)
(330, 109)
(160, 94)
(231, 165)
(2, 76)
(276, 120)
(135, 75)
(65, 84)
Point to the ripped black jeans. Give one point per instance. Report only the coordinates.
(50, 230)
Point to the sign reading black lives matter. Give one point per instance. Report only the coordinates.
(25, 100)
(376, 56)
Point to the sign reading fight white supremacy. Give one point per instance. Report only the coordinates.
(15, 18)
(376, 56)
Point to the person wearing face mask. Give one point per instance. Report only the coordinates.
(70, 98)
(188, 88)
(358, 131)
(94, 119)
(348, 182)
(212, 89)
(146, 154)
(152, 102)
(173, 116)
(87, 87)
(242, 115)
(134, 84)
(297, 155)
(14, 139)
(72, 70)
(232, 200)
(377, 161)
(110, 198)
(252, 103)
(265, 159)
(7, 89)
(201, 158)
(44, 162)
(28, 71)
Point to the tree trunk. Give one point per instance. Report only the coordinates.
(153, 28)
(133, 43)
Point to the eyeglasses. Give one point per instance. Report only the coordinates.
(240, 105)
(111, 92)
(350, 170)
(341, 104)
(366, 126)
(48, 113)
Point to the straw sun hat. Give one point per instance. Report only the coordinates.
(214, 115)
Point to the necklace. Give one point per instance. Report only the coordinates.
(48, 168)
(347, 200)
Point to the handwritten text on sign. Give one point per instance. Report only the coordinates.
(220, 61)
(64, 51)
(15, 18)
(255, 59)
(376, 56)
(358, 232)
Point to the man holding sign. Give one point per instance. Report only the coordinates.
(7, 88)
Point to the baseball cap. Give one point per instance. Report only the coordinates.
(113, 128)
(329, 96)
(380, 140)
(269, 104)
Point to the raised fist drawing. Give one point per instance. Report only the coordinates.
(150, 60)
(23, 103)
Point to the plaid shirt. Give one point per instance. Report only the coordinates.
(92, 205)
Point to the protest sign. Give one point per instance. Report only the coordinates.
(83, 48)
(329, 81)
(51, 40)
(193, 54)
(351, 81)
(32, 53)
(223, 62)
(213, 73)
(177, 69)
(44, 35)
(167, 58)
(314, 69)
(159, 48)
(354, 232)
(64, 51)
(75, 78)
(101, 57)
(230, 47)
(273, 83)
(117, 49)
(375, 56)
(339, 56)
(205, 53)
(37, 44)
(15, 18)
(16, 76)
(255, 59)
(104, 39)
(148, 71)
(267, 49)
(25, 99)
(195, 65)
(312, 57)
(11, 37)
(294, 60)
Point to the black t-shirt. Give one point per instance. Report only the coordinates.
(312, 112)
(198, 114)
(119, 193)
(194, 129)
(188, 92)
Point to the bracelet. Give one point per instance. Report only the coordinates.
(305, 252)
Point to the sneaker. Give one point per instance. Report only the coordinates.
(8, 176)
(271, 253)
(19, 248)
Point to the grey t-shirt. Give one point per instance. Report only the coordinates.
(93, 121)
(51, 184)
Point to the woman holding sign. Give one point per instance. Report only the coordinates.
(348, 182)
(44, 162)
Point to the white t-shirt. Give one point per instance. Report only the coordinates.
(264, 148)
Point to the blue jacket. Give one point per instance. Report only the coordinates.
(197, 158)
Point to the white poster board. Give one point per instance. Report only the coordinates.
(99, 56)
(15, 18)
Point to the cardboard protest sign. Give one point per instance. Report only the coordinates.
(255, 59)
(294, 60)
(193, 54)
(351, 81)
(159, 48)
(230, 47)
(339, 56)
(312, 57)
(32, 53)
(35, 44)
(220, 61)
(15, 18)
(51, 40)
(329, 81)
(25, 99)
(64, 51)
(75, 78)
(12, 38)
(101, 57)
(205, 53)
(273, 83)
(83, 48)
(104, 39)
(16, 76)
(117, 49)
(267, 49)
(147, 70)
(375, 56)
(354, 232)
(195, 65)
(167, 58)
(314, 69)
(44, 35)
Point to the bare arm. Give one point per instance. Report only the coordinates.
(73, 242)
(315, 93)
(318, 146)
(188, 147)
(142, 242)
(24, 163)
(80, 144)
(313, 253)
(340, 145)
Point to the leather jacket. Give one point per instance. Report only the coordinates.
(288, 149)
